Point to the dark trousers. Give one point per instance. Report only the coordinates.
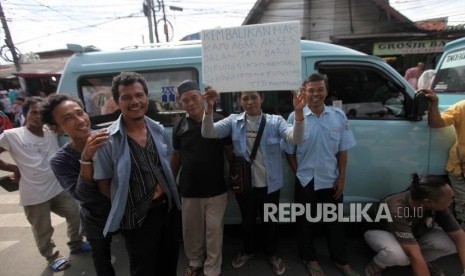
(306, 230)
(251, 205)
(153, 249)
(101, 255)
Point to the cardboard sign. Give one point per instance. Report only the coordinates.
(260, 57)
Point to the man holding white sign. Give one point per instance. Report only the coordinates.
(266, 168)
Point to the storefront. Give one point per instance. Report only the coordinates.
(403, 54)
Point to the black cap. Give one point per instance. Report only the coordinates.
(187, 85)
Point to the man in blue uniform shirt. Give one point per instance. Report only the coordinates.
(320, 165)
(133, 168)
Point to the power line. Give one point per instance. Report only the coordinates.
(78, 28)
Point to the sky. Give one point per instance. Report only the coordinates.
(43, 25)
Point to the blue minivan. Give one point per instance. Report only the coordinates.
(393, 137)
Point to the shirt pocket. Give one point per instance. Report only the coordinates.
(304, 146)
(273, 145)
(236, 141)
(334, 140)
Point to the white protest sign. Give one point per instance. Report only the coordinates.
(253, 57)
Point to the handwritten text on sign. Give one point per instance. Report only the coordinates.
(254, 57)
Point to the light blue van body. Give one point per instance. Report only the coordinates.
(392, 141)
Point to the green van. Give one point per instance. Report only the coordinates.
(393, 137)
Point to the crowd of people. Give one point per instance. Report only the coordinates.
(133, 179)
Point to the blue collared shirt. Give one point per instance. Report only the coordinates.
(324, 137)
(113, 161)
(276, 128)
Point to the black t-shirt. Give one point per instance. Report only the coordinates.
(95, 207)
(202, 159)
(409, 223)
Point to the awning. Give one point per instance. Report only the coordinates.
(36, 69)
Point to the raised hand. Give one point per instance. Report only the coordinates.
(429, 94)
(210, 97)
(94, 141)
(298, 100)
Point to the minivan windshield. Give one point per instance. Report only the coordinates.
(450, 76)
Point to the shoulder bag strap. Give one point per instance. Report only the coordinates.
(257, 139)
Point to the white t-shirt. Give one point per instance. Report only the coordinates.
(32, 155)
(252, 125)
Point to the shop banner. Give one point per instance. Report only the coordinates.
(409, 47)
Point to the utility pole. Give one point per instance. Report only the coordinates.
(155, 19)
(9, 41)
(147, 7)
(165, 27)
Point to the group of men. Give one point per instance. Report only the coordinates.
(133, 164)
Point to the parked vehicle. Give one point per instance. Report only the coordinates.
(393, 136)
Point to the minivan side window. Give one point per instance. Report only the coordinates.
(365, 91)
(450, 76)
(164, 106)
(275, 102)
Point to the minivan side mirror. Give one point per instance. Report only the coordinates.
(420, 106)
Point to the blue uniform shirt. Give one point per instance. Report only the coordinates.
(276, 128)
(324, 137)
(113, 161)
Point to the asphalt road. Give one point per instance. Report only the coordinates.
(20, 257)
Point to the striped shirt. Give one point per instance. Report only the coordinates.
(146, 174)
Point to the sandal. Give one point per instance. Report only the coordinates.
(59, 263)
(193, 271)
(241, 258)
(277, 265)
(314, 270)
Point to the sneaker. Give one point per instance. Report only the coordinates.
(241, 258)
(84, 247)
(435, 270)
(277, 265)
